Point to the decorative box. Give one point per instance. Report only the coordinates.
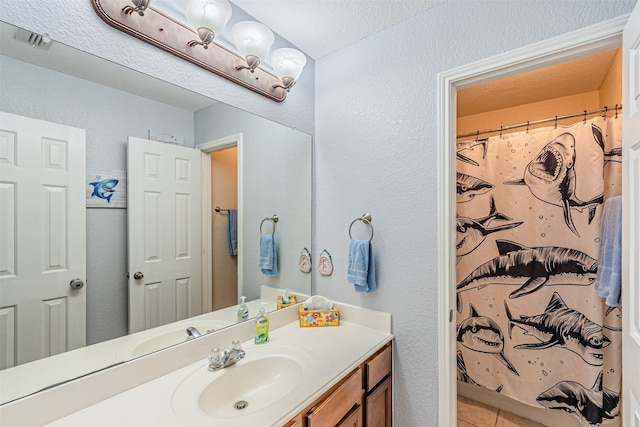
(279, 304)
(312, 318)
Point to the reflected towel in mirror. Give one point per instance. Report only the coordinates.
(268, 261)
(233, 231)
(361, 267)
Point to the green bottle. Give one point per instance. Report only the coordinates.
(262, 327)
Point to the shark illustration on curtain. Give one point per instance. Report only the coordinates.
(531, 274)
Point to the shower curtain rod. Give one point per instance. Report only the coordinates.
(584, 114)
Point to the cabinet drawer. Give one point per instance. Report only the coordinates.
(378, 367)
(332, 409)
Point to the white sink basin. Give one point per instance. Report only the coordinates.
(164, 336)
(266, 376)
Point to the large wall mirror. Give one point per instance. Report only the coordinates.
(251, 164)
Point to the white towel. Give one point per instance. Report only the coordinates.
(609, 279)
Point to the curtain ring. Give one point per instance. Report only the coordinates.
(477, 134)
(527, 131)
(584, 121)
(616, 111)
(500, 131)
(604, 116)
(555, 125)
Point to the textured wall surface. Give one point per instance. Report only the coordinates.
(375, 151)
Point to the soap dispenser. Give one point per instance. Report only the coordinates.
(243, 311)
(262, 327)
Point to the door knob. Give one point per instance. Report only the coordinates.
(76, 284)
(138, 275)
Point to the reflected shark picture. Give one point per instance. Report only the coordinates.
(592, 405)
(468, 187)
(551, 178)
(532, 268)
(479, 333)
(104, 189)
(470, 233)
(563, 327)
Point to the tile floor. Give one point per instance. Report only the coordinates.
(476, 414)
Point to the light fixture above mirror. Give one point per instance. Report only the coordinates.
(195, 42)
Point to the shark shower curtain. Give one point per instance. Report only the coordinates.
(530, 323)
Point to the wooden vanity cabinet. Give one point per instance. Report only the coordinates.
(378, 388)
(361, 399)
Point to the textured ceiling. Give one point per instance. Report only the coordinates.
(569, 78)
(320, 27)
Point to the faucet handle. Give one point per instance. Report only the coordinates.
(215, 356)
(235, 345)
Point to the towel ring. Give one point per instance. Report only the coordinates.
(273, 219)
(366, 218)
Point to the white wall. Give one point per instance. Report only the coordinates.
(375, 151)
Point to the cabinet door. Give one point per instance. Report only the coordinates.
(334, 408)
(378, 405)
(353, 419)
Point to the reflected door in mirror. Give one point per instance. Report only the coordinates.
(42, 249)
(164, 192)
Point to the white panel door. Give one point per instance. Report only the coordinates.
(631, 222)
(42, 239)
(165, 261)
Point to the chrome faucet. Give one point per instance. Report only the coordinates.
(219, 360)
(193, 332)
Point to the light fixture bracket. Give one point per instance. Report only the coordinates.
(164, 32)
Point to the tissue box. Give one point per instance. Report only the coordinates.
(313, 318)
(279, 304)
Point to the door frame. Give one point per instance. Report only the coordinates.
(208, 147)
(586, 41)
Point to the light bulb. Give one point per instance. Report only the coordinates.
(288, 63)
(252, 39)
(210, 14)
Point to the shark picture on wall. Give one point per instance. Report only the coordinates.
(551, 178)
(561, 326)
(468, 187)
(482, 334)
(469, 145)
(591, 406)
(470, 233)
(532, 268)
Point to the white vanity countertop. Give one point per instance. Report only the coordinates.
(31, 377)
(333, 351)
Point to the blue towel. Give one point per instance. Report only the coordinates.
(361, 269)
(609, 279)
(268, 261)
(233, 231)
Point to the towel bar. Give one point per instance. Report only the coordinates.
(274, 218)
(366, 218)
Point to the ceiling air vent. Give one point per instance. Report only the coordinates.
(41, 41)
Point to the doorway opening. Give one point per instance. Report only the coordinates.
(580, 44)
